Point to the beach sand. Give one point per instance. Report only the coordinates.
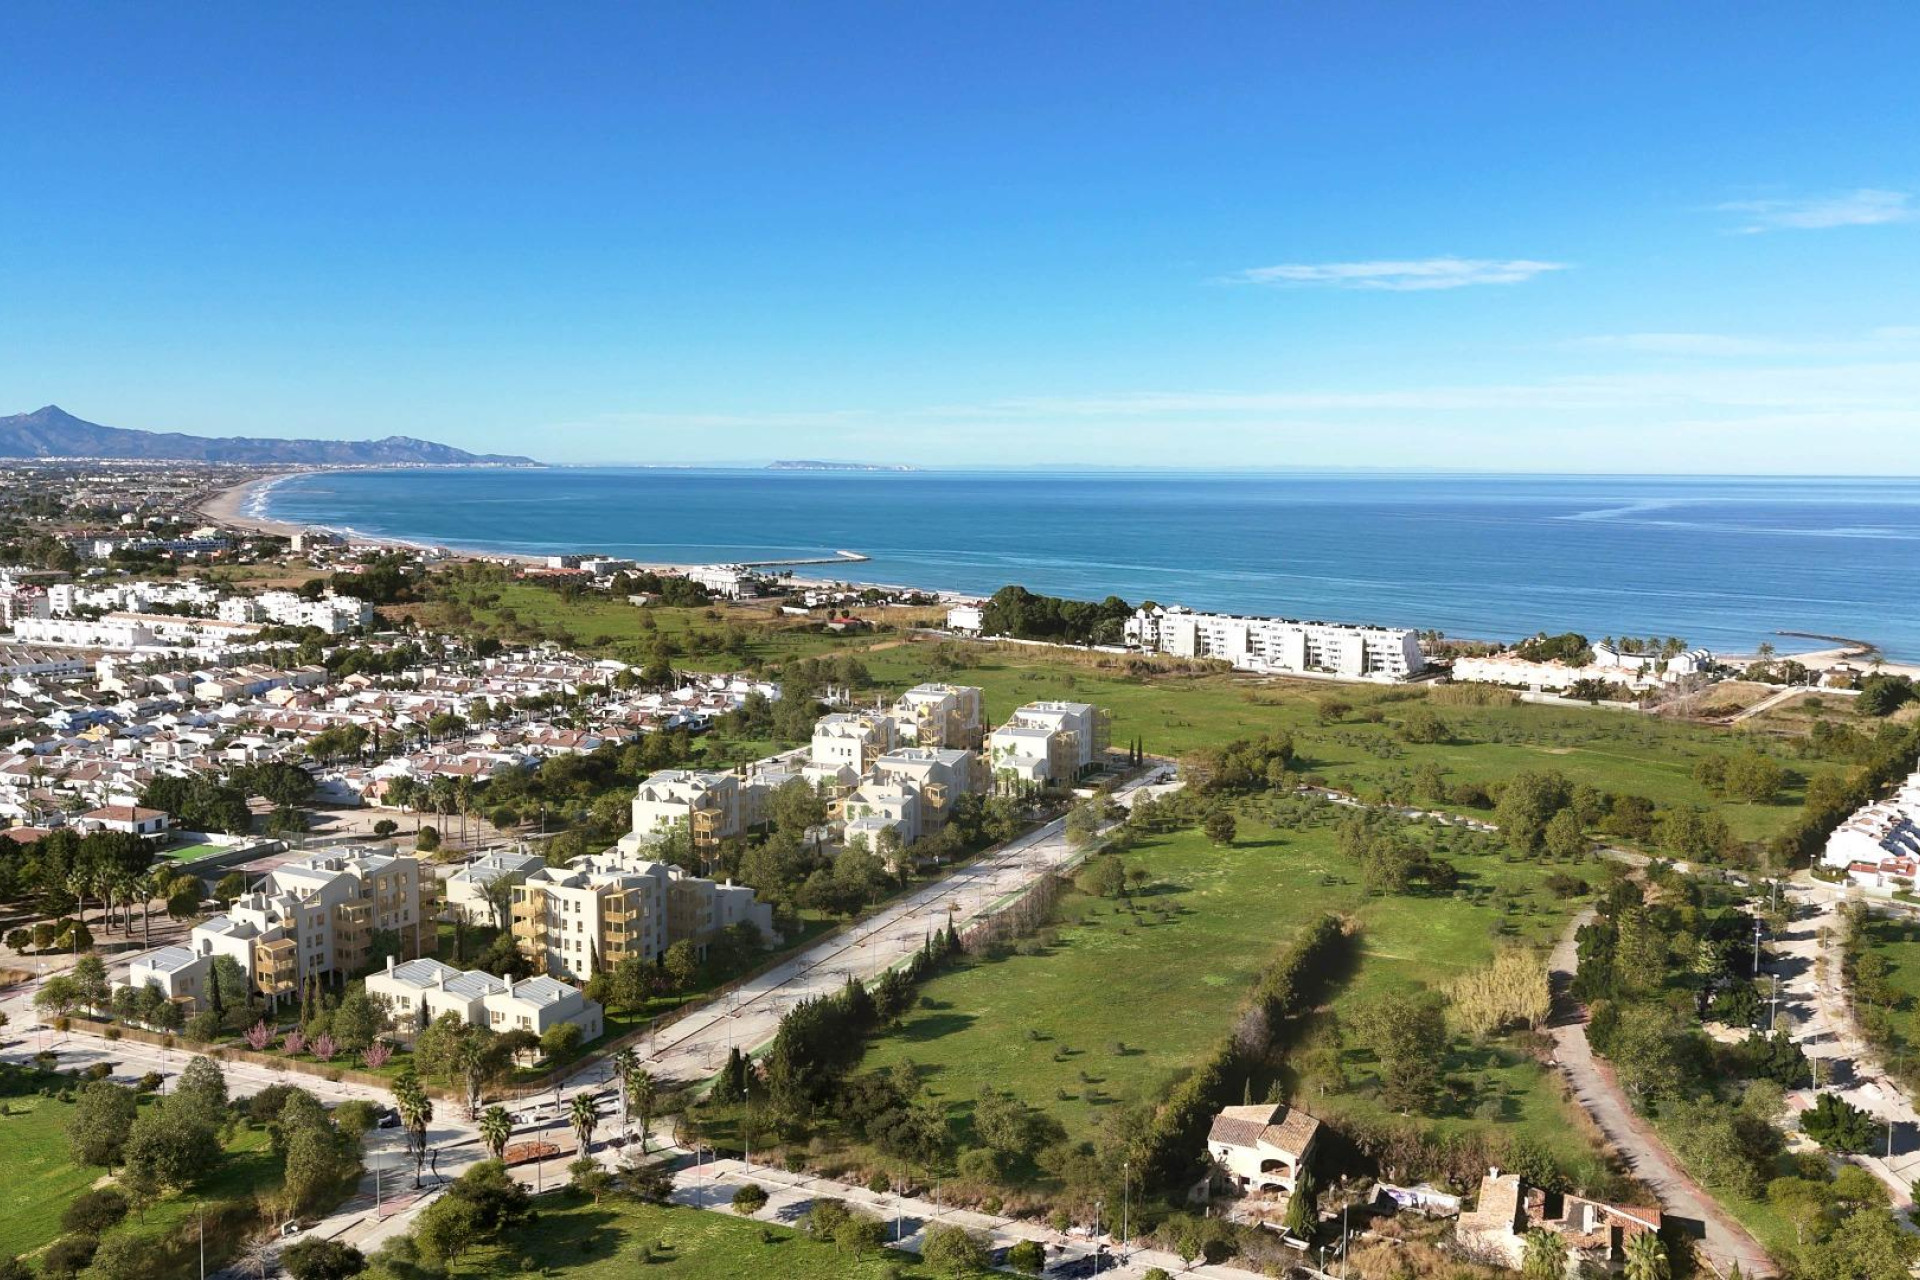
(228, 507)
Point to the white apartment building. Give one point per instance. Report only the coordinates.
(711, 805)
(418, 992)
(333, 614)
(133, 631)
(317, 916)
(1048, 744)
(966, 619)
(1278, 645)
(466, 889)
(942, 715)
(1884, 831)
(181, 973)
(851, 740)
(577, 920)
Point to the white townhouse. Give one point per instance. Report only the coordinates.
(419, 992)
(1048, 744)
(466, 889)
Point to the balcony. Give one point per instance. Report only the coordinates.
(532, 930)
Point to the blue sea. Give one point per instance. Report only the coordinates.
(1724, 562)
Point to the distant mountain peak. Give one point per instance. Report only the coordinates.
(52, 432)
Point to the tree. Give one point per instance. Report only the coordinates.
(1838, 1125)
(318, 1258)
(560, 1039)
(1543, 1255)
(1220, 827)
(1527, 803)
(586, 1177)
(357, 1021)
(446, 1229)
(90, 982)
(203, 1085)
(416, 1113)
(174, 1142)
(955, 1251)
(1565, 839)
(102, 1117)
(1647, 1258)
(496, 1130)
(1301, 1214)
(645, 1094)
(1408, 1034)
(749, 1199)
(1028, 1257)
(584, 1116)
(682, 965)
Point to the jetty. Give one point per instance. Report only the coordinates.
(838, 557)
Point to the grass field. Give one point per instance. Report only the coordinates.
(1166, 987)
(1614, 750)
(603, 623)
(578, 1241)
(187, 853)
(43, 1180)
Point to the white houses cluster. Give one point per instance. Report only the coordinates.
(1878, 846)
(1634, 671)
(1277, 646)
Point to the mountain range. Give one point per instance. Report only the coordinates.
(52, 432)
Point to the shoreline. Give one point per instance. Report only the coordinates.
(243, 505)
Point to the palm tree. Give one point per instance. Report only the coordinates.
(416, 1113)
(1647, 1258)
(584, 1116)
(625, 1063)
(645, 1094)
(1544, 1255)
(496, 1127)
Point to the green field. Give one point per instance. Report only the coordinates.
(1898, 942)
(41, 1179)
(44, 1180)
(1616, 751)
(187, 853)
(578, 1241)
(1124, 999)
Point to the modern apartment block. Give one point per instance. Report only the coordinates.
(589, 915)
(1048, 744)
(849, 741)
(331, 613)
(468, 887)
(942, 716)
(709, 803)
(1278, 645)
(313, 917)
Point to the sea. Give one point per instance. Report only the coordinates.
(1725, 562)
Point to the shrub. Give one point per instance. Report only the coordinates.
(94, 1211)
(1027, 1257)
(749, 1199)
(879, 1183)
(68, 1256)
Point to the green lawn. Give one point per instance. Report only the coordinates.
(41, 1179)
(1165, 986)
(187, 853)
(574, 1239)
(1898, 941)
(1617, 751)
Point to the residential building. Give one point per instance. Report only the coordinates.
(942, 715)
(319, 915)
(851, 740)
(965, 618)
(708, 803)
(1277, 645)
(1261, 1149)
(181, 973)
(577, 920)
(1494, 1231)
(128, 819)
(1048, 744)
(419, 992)
(466, 889)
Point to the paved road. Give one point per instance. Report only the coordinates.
(1805, 958)
(1646, 1156)
(697, 1046)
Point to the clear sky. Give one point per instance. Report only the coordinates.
(1641, 237)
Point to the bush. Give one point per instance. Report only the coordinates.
(879, 1183)
(1027, 1257)
(749, 1199)
(428, 840)
(151, 1082)
(203, 1027)
(317, 1258)
(68, 1256)
(94, 1211)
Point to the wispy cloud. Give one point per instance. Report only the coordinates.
(1888, 340)
(1398, 276)
(1865, 207)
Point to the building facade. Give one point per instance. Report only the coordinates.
(1278, 645)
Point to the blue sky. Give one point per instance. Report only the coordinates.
(1633, 237)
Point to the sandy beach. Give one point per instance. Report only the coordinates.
(229, 507)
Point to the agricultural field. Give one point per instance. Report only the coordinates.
(573, 1239)
(1127, 994)
(1614, 750)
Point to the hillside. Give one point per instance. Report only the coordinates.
(52, 432)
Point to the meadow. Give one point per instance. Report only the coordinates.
(1125, 995)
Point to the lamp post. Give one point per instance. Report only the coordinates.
(1126, 1196)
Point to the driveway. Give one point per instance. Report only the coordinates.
(1724, 1241)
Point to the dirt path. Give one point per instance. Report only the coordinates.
(1725, 1240)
